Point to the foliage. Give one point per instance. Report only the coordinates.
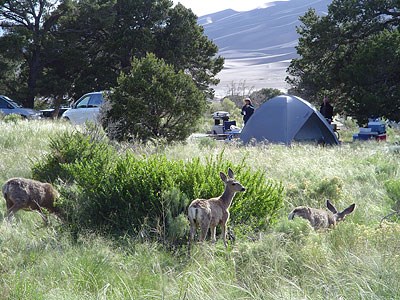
(393, 192)
(226, 105)
(182, 43)
(85, 45)
(237, 91)
(350, 55)
(262, 202)
(207, 143)
(148, 195)
(72, 148)
(153, 102)
(263, 95)
(289, 260)
(26, 26)
(14, 118)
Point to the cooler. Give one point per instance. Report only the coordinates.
(377, 126)
(364, 136)
(381, 137)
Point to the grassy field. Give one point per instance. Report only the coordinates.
(359, 259)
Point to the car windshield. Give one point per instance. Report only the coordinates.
(12, 102)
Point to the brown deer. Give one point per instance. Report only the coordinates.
(320, 218)
(28, 194)
(208, 213)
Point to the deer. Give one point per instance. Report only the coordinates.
(29, 194)
(208, 213)
(320, 218)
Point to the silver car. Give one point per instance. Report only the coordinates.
(8, 107)
(86, 108)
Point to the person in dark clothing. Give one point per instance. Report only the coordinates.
(247, 110)
(326, 110)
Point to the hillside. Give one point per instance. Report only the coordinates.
(258, 44)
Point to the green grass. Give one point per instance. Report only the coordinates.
(357, 260)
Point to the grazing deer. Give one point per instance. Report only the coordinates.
(320, 218)
(28, 194)
(208, 213)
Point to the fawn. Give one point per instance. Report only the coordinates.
(28, 194)
(320, 218)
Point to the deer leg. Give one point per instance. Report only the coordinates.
(205, 224)
(37, 208)
(223, 233)
(12, 210)
(192, 231)
(43, 216)
(213, 234)
(9, 205)
(41, 213)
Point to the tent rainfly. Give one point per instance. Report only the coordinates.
(286, 118)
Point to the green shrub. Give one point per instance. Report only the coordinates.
(393, 192)
(328, 188)
(314, 191)
(260, 203)
(73, 148)
(294, 229)
(12, 118)
(207, 142)
(153, 102)
(119, 194)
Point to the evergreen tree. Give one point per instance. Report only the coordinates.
(153, 101)
(351, 55)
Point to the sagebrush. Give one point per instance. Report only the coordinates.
(117, 193)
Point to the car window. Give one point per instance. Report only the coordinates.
(3, 103)
(83, 102)
(95, 100)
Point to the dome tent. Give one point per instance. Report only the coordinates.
(287, 118)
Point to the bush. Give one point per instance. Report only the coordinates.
(153, 102)
(229, 106)
(11, 118)
(89, 148)
(147, 195)
(393, 192)
(314, 191)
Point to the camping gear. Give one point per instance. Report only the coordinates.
(223, 128)
(286, 119)
(375, 129)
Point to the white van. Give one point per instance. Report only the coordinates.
(86, 108)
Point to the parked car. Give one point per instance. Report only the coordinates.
(8, 107)
(48, 113)
(86, 108)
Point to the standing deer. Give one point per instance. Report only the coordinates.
(320, 218)
(28, 194)
(208, 213)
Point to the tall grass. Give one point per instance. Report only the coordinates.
(22, 141)
(357, 260)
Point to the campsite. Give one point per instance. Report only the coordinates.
(295, 196)
(286, 119)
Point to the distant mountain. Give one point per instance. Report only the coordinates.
(258, 44)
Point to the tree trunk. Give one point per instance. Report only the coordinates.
(34, 71)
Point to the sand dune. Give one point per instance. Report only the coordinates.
(258, 45)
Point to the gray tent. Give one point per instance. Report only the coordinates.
(287, 118)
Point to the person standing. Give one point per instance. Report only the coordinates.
(247, 110)
(326, 109)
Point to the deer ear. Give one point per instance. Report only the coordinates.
(230, 173)
(330, 206)
(349, 210)
(223, 176)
